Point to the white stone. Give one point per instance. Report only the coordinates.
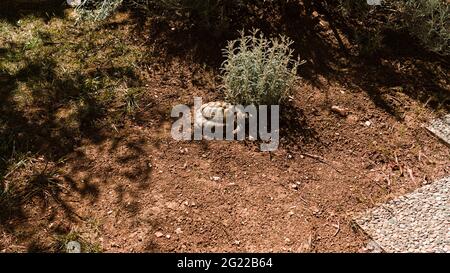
(74, 3)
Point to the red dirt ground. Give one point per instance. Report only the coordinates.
(140, 181)
(134, 188)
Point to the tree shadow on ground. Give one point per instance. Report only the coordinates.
(174, 37)
(39, 133)
(398, 62)
(403, 68)
(177, 38)
(294, 127)
(326, 56)
(34, 132)
(14, 10)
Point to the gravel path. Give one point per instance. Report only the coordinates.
(416, 222)
(441, 128)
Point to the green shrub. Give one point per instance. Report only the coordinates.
(429, 21)
(258, 70)
(97, 9)
(426, 20)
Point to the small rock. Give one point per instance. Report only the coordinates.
(367, 123)
(73, 247)
(172, 205)
(339, 110)
(352, 119)
(287, 241)
(168, 236)
(74, 3)
(294, 186)
(159, 234)
(215, 178)
(316, 211)
(178, 231)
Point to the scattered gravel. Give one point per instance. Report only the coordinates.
(373, 247)
(441, 128)
(416, 222)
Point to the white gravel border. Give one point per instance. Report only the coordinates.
(416, 222)
(441, 128)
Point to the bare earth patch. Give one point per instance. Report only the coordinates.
(147, 192)
(127, 186)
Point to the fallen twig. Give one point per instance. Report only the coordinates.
(411, 174)
(338, 228)
(321, 160)
(388, 178)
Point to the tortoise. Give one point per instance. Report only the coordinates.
(206, 116)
